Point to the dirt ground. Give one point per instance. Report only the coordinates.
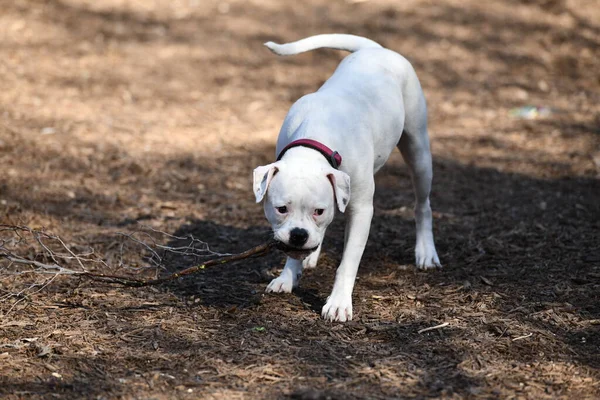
(122, 116)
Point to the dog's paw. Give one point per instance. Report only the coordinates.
(280, 285)
(426, 256)
(310, 261)
(338, 308)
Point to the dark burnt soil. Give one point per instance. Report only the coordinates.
(138, 117)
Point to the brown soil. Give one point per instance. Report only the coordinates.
(119, 113)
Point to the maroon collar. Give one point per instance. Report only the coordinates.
(333, 157)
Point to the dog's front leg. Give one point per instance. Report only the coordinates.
(288, 279)
(312, 259)
(339, 303)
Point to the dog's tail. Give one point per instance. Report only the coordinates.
(336, 41)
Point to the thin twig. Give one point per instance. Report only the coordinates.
(42, 286)
(431, 328)
(522, 337)
(50, 253)
(77, 258)
(55, 268)
(146, 246)
(190, 246)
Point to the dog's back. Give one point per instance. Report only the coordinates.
(362, 102)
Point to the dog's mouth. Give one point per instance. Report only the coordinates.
(298, 253)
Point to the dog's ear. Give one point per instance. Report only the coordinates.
(262, 178)
(341, 187)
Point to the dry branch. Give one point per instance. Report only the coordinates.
(56, 251)
(257, 251)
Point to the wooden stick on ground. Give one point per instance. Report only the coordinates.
(431, 328)
(260, 250)
(257, 251)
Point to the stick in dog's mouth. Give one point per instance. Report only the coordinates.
(295, 252)
(286, 247)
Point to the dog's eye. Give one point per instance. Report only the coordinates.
(319, 211)
(282, 209)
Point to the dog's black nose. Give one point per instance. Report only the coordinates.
(298, 237)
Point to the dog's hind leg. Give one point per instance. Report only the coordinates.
(414, 146)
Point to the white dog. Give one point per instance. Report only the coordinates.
(330, 145)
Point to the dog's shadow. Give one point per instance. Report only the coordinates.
(241, 284)
(233, 285)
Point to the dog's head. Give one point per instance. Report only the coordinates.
(300, 202)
